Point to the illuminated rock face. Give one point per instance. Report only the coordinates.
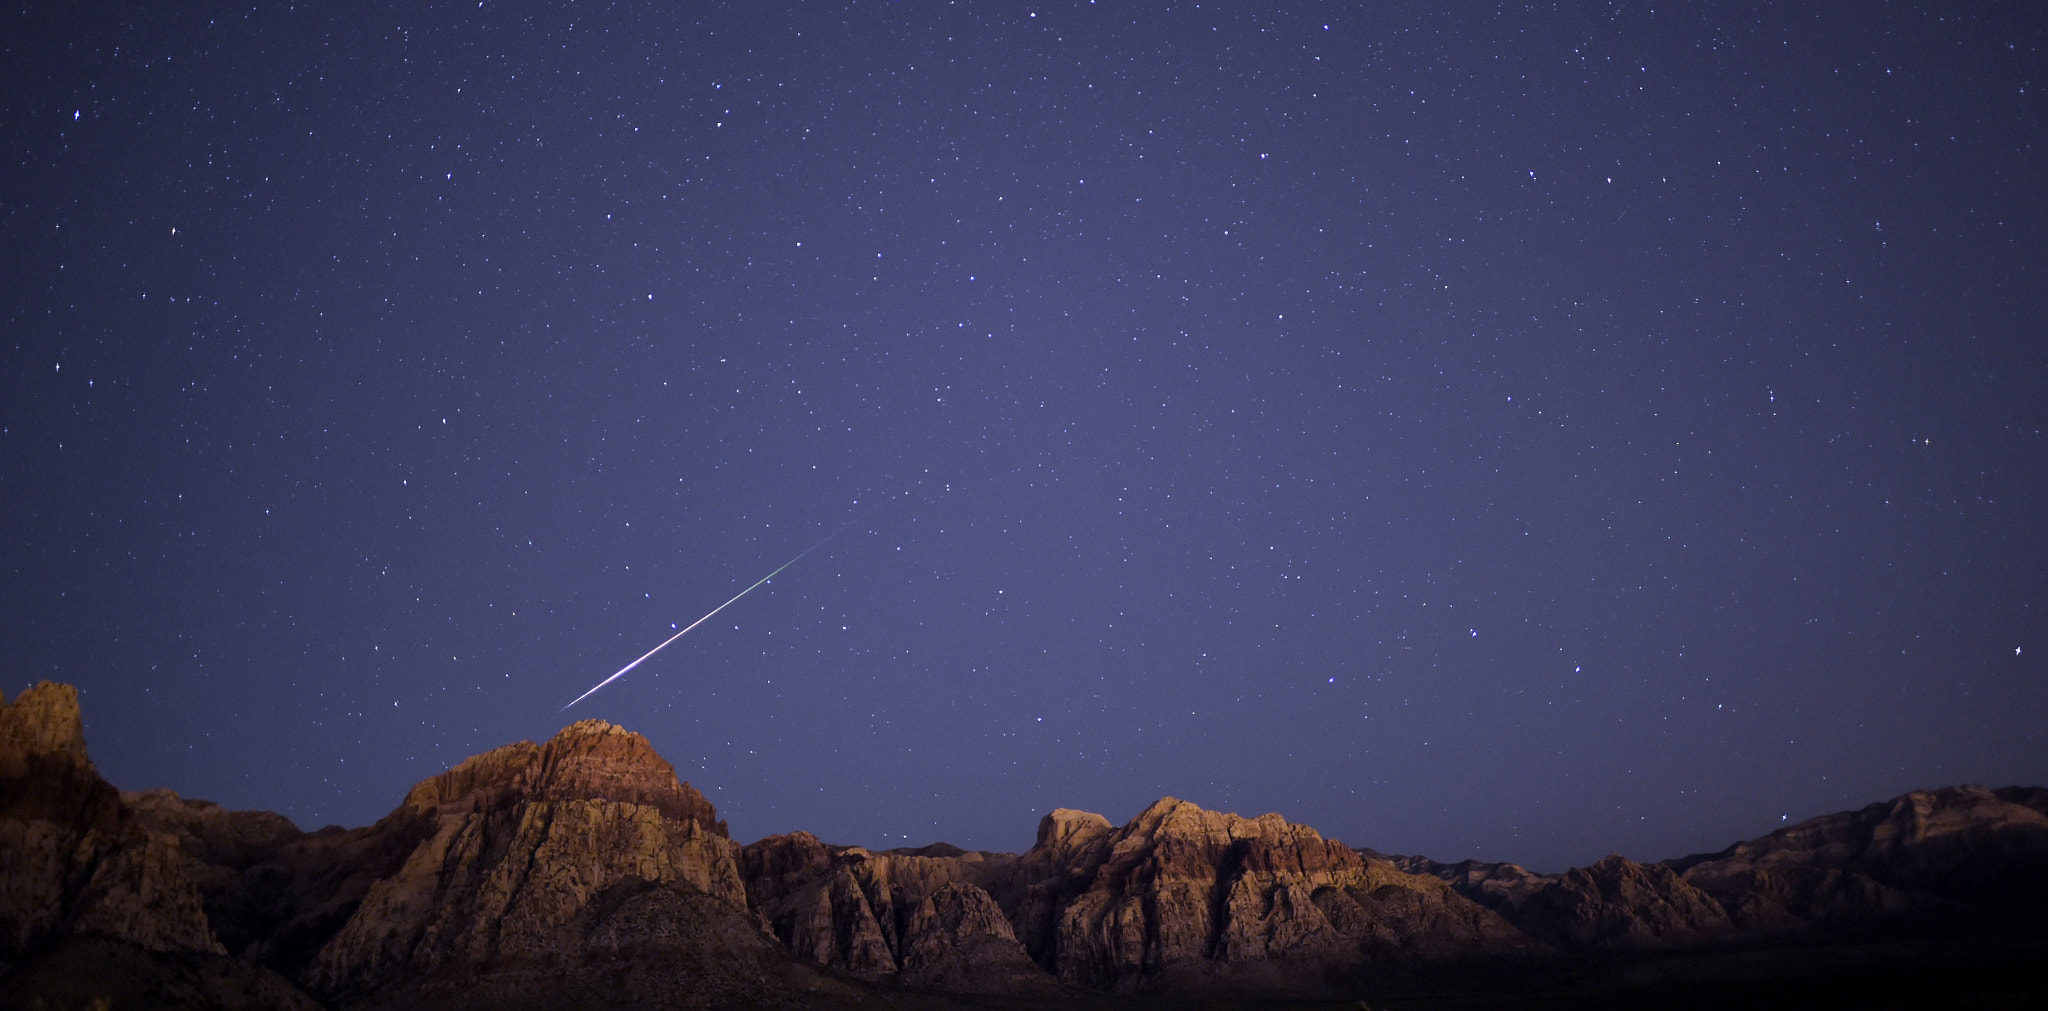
(1181, 891)
(515, 849)
(41, 723)
(583, 872)
(1178, 891)
(76, 859)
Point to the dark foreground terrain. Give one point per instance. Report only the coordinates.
(580, 873)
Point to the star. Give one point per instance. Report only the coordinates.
(1146, 425)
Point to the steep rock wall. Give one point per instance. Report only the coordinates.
(518, 842)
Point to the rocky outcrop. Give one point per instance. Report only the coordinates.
(1177, 891)
(1070, 847)
(1501, 887)
(1619, 903)
(77, 860)
(1613, 904)
(1188, 891)
(208, 833)
(282, 909)
(588, 760)
(1930, 859)
(138, 893)
(959, 941)
(514, 849)
(582, 872)
(57, 818)
(42, 723)
(923, 920)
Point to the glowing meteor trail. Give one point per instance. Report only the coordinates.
(721, 607)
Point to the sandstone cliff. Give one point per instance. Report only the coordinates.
(535, 853)
(1071, 845)
(579, 871)
(926, 920)
(77, 859)
(1178, 892)
(582, 872)
(1194, 893)
(43, 723)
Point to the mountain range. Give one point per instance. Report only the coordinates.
(582, 873)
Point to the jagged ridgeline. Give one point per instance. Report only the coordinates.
(582, 873)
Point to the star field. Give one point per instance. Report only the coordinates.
(1497, 431)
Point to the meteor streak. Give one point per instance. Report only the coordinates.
(721, 607)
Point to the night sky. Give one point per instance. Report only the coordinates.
(1501, 432)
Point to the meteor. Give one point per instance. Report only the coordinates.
(686, 631)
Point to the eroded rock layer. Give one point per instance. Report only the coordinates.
(583, 872)
(513, 849)
(1183, 889)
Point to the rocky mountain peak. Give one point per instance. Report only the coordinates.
(1179, 827)
(1195, 893)
(42, 721)
(587, 760)
(530, 851)
(1065, 835)
(73, 858)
